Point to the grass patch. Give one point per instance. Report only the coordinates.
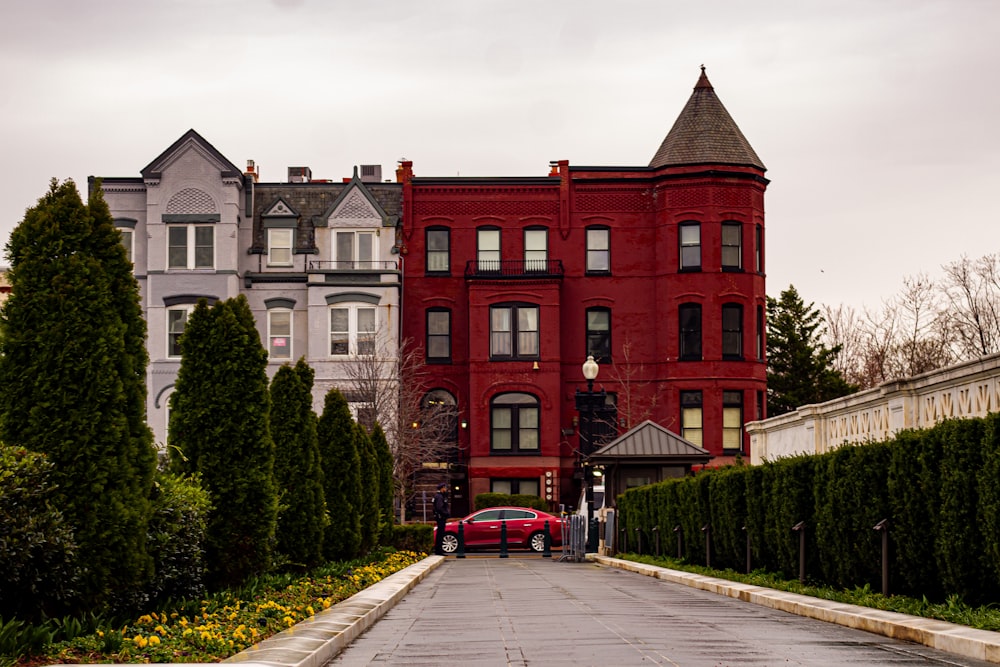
(952, 609)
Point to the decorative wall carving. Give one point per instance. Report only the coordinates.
(965, 390)
(191, 200)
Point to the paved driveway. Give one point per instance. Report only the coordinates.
(534, 611)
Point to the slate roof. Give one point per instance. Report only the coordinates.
(649, 440)
(705, 133)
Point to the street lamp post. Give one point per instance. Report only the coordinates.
(586, 403)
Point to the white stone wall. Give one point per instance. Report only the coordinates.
(971, 389)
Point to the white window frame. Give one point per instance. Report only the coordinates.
(279, 250)
(359, 342)
(190, 247)
(272, 336)
(689, 244)
(356, 260)
(187, 309)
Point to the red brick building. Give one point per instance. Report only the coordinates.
(657, 271)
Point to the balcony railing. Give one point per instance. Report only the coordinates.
(369, 266)
(514, 269)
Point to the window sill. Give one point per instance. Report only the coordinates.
(529, 452)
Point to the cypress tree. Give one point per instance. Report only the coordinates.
(341, 469)
(385, 493)
(297, 472)
(72, 383)
(368, 482)
(219, 428)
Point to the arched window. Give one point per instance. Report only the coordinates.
(439, 418)
(514, 424)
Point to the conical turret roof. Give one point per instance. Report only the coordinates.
(705, 133)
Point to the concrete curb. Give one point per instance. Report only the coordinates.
(316, 640)
(957, 639)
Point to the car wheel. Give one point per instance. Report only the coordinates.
(537, 542)
(449, 544)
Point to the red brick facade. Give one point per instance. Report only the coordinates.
(518, 271)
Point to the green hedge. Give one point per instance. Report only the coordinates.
(417, 537)
(939, 488)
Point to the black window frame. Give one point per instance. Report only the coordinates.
(758, 248)
(602, 352)
(733, 398)
(682, 265)
(597, 252)
(689, 341)
(433, 252)
(444, 359)
(738, 226)
(516, 405)
(731, 321)
(691, 399)
(515, 332)
(515, 485)
(761, 348)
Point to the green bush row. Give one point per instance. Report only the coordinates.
(938, 488)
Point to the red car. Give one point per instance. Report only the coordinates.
(525, 528)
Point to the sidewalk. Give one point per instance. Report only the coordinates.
(538, 611)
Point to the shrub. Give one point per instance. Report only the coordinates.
(417, 537)
(177, 537)
(37, 551)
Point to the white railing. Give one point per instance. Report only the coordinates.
(970, 389)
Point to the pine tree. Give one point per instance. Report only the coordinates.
(800, 369)
(385, 483)
(219, 427)
(297, 472)
(341, 469)
(72, 383)
(368, 481)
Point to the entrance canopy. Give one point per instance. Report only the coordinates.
(646, 454)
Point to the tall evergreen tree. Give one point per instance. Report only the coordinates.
(341, 469)
(72, 382)
(800, 369)
(368, 483)
(385, 484)
(297, 473)
(219, 427)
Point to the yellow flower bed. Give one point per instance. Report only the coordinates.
(218, 630)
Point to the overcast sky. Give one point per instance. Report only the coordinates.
(877, 119)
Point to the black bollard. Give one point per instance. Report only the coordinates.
(547, 553)
(503, 540)
(800, 528)
(461, 540)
